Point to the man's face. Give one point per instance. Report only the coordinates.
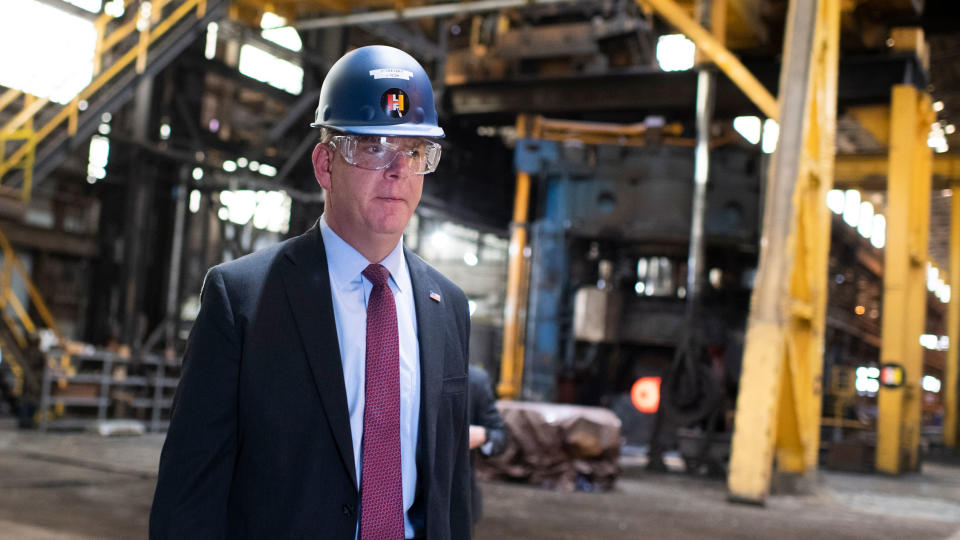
(364, 203)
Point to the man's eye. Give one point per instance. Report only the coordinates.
(373, 149)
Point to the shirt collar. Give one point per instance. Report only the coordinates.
(346, 264)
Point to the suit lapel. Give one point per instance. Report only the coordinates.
(430, 338)
(307, 283)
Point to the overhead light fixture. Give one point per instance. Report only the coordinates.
(275, 29)
(878, 232)
(851, 207)
(210, 47)
(675, 52)
(771, 133)
(58, 60)
(835, 201)
(749, 127)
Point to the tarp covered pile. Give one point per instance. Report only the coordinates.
(567, 447)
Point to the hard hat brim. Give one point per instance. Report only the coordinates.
(398, 130)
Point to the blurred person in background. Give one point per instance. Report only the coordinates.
(488, 434)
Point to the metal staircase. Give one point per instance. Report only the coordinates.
(21, 335)
(36, 135)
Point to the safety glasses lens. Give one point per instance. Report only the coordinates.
(420, 156)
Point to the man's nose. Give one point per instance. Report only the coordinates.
(400, 166)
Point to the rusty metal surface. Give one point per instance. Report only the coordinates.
(565, 447)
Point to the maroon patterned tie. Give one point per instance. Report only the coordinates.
(381, 497)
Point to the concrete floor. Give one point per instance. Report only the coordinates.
(82, 486)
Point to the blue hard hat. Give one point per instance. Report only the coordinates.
(378, 90)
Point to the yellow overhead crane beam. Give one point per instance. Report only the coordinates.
(868, 172)
(714, 49)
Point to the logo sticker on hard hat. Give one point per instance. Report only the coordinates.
(391, 73)
(395, 102)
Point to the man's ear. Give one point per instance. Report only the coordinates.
(322, 162)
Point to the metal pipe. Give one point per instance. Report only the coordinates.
(424, 12)
(950, 424)
(176, 254)
(706, 84)
(689, 348)
(512, 357)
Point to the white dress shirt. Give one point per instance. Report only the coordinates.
(350, 291)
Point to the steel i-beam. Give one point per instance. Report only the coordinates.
(778, 406)
(904, 277)
(953, 322)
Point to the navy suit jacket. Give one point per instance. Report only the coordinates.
(259, 444)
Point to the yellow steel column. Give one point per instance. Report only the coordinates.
(920, 188)
(511, 362)
(904, 277)
(808, 283)
(778, 407)
(953, 326)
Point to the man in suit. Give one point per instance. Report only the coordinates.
(324, 386)
(488, 433)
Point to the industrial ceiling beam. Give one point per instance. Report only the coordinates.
(721, 56)
(874, 119)
(413, 42)
(863, 80)
(746, 27)
(869, 172)
(422, 12)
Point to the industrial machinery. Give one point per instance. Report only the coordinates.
(607, 313)
(608, 281)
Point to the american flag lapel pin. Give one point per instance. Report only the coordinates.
(435, 296)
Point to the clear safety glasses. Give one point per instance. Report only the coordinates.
(420, 155)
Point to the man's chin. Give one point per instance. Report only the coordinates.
(391, 227)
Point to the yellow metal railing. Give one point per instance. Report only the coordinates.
(145, 19)
(16, 316)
